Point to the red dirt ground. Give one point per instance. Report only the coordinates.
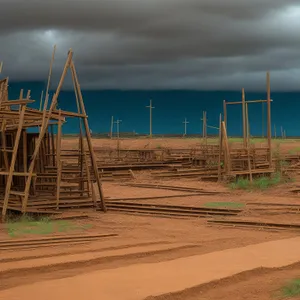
(144, 231)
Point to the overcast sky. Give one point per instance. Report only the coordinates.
(155, 44)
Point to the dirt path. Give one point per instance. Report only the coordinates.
(143, 280)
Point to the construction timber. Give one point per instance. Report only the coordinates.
(36, 174)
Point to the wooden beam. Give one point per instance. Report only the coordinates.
(89, 139)
(269, 119)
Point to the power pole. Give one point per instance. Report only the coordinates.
(118, 137)
(111, 127)
(150, 125)
(118, 127)
(185, 126)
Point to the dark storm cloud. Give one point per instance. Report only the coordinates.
(205, 44)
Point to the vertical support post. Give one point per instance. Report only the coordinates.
(248, 144)
(244, 118)
(220, 149)
(12, 163)
(227, 159)
(247, 125)
(52, 145)
(25, 150)
(269, 119)
(3, 138)
(59, 163)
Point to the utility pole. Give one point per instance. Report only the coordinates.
(118, 127)
(118, 137)
(1, 66)
(185, 126)
(275, 134)
(111, 126)
(150, 125)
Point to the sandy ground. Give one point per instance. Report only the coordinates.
(145, 240)
(140, 281)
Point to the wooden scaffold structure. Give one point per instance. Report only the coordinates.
(36, 173)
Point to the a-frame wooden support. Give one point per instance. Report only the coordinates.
(45, 123)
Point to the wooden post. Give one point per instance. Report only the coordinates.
(247, 124)
(227, 159)
(3, 138)
(12, 163)
(220, 149)
(248, 145)
(58, 159)
(150, 118)
(1, 66)
(244, 118)
(25, 150)
(269, 119)
(54, 163)
(89, 139)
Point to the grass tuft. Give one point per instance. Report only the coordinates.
(261, 183)
(28, 225)
(291, 289)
